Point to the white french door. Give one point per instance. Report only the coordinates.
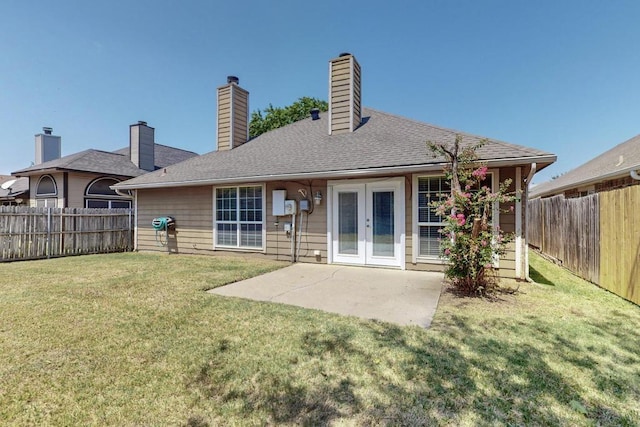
(367, 222)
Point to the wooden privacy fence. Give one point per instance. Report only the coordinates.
(34, 233)
(620, 242)
(568, 230)
(597, 237)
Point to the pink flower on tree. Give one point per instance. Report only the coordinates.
(480, 173)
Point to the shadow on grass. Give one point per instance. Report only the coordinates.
(538, 277)
(407, 377)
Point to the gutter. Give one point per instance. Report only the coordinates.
(120, 193)
(350, 173)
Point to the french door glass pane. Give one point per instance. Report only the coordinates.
(383, 231)
(348, 223)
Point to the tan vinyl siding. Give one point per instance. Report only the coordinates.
(507, 265)
(224, 118)
(192, 209)
(344, 95)
(233, 116)
(240, 116)
(507, 262)
(314, 233)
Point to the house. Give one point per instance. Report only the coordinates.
(83, 179)
(13, 191)
(350, 186)
(616, 168)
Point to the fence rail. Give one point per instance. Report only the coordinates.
(568, 230)
(35, 233)
(597, 237)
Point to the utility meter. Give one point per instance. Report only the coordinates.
(289, 207)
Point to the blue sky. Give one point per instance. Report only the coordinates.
(561, 76)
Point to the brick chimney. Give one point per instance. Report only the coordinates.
(344, 94)
(48, 146)
(142, 146)
(233, 115)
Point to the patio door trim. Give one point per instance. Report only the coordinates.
(400, 217)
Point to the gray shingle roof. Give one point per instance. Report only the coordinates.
(617, 162)
(305, 148)
(115, 163)
(17, 188)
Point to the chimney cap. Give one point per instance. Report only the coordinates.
(233, 79)
(142, 122)
(344, 54)
(47, 130)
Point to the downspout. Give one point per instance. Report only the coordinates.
(634, 175)
(532, 172)
(120, 193)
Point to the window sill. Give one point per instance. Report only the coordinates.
(427, 260)
(237, 249)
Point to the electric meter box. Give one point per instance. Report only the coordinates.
(289, 207)
(278, 197)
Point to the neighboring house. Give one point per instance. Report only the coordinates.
(13, 191)
(84, 179)
(616, 168)
(361, 181)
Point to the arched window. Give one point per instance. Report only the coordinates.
(46, 192)
(46, 186)
(99, 195)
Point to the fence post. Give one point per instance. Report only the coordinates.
(48, 232)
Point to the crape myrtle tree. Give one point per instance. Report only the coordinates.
(470, 242)
(276, 117)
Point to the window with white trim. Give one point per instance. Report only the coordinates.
(239, 217)
(99, 195)
(46, 186)
(430, 189)
(46, 192)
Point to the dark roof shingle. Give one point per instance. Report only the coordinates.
(618, 161)
(382, 141)
(115, 163)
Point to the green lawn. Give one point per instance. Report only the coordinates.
(132, 339)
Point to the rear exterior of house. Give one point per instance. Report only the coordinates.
(351, 186)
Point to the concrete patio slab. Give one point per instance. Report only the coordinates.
(401, 297)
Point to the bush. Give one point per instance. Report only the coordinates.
(470, 242)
